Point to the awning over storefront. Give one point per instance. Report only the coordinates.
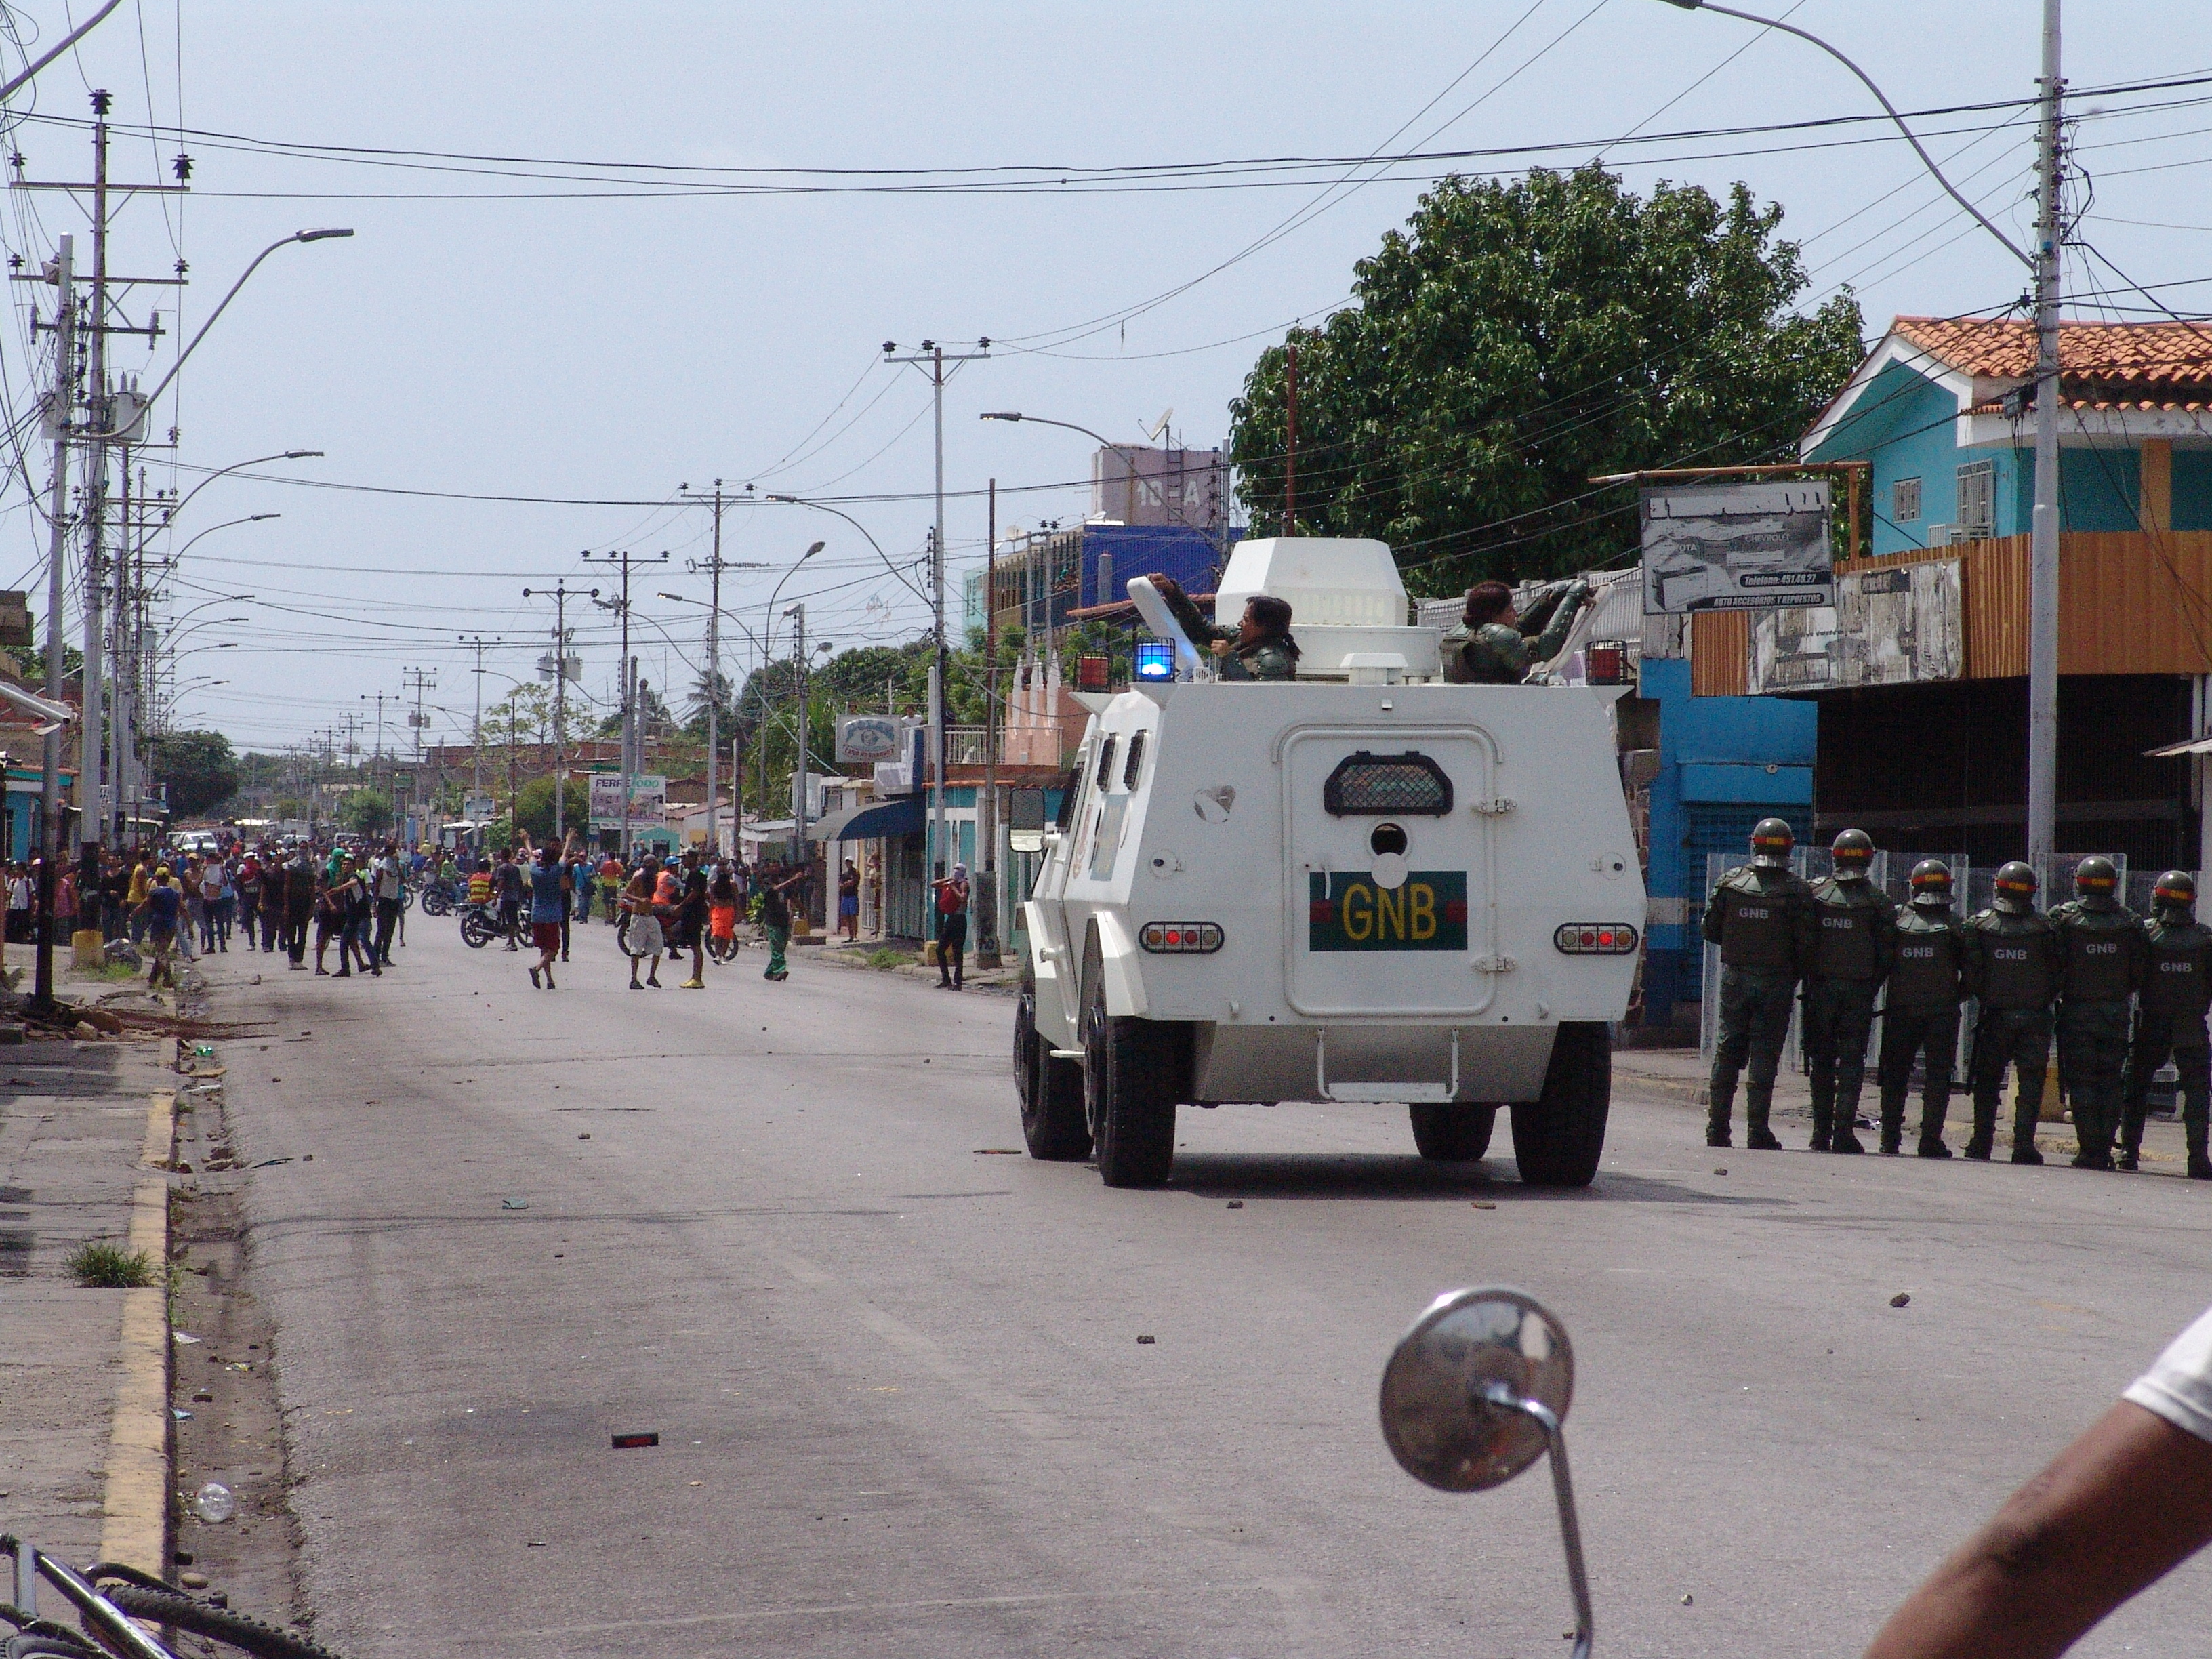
(875, 822)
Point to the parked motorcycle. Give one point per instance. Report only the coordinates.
(1477, 1391)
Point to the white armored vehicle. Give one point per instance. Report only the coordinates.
(1364, 885)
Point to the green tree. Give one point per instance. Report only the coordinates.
(367, 811)
(1519, 337)
(533, 810)
(197, 768)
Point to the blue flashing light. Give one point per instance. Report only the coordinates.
(1155, 659)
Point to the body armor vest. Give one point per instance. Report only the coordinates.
(2098, 952)
(2178, 978)
(2016, 955)
(1757, 924)
(1929, 973)
(1848, 913)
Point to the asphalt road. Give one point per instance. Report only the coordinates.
(903, 1408)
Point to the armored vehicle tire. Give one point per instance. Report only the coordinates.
(1052, 1089)
(1129, 1088)
(1558, 1137)
(1449, 1134)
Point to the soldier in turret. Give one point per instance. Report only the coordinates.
(2015, 970)
(1852, 951)
(1493, 645)
(1932, 976)
(1761, 916)
(2177, 987)
(1260, 646)
(2103, 950)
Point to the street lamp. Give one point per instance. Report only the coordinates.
(2042, 537)
(296, 236)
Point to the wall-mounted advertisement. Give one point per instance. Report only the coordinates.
(1736, 547)
(1903, 625)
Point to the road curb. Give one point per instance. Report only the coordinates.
(135, 1504)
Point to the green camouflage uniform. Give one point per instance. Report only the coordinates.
(1852, 950)
(1762, 919)
(1932, 974)
(2103, 950)
(1499, 654)
(2015, 970)
(2177, 986)
(1269, 660)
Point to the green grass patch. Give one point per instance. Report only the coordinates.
(102, 1267)
(885, 960)
(114, 973)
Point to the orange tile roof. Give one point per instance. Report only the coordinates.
(2104, 364)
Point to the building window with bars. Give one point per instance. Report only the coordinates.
(1977, 496)
(1905, 501)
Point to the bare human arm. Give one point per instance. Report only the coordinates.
(2120, 1507)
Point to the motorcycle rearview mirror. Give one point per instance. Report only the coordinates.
(1476, 1392)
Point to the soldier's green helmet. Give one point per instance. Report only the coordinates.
(2015, 888)
(2097, 881)
(1771, 841)
(1931, 883)
(2175, 890)
(1852, 854)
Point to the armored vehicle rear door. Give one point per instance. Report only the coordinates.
(1388, 871)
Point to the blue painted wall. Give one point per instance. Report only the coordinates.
(1723, 762)
(1904, 424)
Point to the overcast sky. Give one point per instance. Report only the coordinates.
(609, 335)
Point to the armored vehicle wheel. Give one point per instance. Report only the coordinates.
(1130, 1081)
(1558, 1137)
(1451, 1133)
(1052, 1089)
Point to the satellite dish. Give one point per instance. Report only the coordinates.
(1161, 425)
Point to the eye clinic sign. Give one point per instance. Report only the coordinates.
(1736, 547)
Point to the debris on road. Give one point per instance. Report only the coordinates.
(1900, 1299)
(1235, 1204)
(1484, 1204)
(631, 1441)
(514, 1204)
(1146, 1340)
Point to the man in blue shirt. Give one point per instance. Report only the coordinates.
(549, 888)
(164, 905)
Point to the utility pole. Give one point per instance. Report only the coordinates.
(376, 754)
(630, 733)
(2043, 532)
(931, 359)
(419, 681)
(715, 567)
(559, 591)
(479, 645)
(62, 403)
(800, 791)
(987, 824)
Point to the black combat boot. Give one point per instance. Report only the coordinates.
(1984, 1139)
(2023, 1134)
(1933, 1108)
(1758, 1105)
(2200, 1166)
(1719, 1107)
(2129, 1158)
(1844, 1137)
(1893, 1122)
(1823, 1112)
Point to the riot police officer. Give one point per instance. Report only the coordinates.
(2177, 987)
(1851, 957)
(1933, 972)
(1761, 916)
(2015, 969)
(2103, 950)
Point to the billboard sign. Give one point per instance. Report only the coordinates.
(867, 738)
(1903, 625)
(477, 808)
(606, 801)
(1736, 547)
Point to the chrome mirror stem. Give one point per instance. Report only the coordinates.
(1501, 1395)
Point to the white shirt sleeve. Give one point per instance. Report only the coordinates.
(2178, 1384)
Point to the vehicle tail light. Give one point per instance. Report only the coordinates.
(1595, 938)
(1180, 938)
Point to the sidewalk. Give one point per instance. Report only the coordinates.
(84, 1386)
